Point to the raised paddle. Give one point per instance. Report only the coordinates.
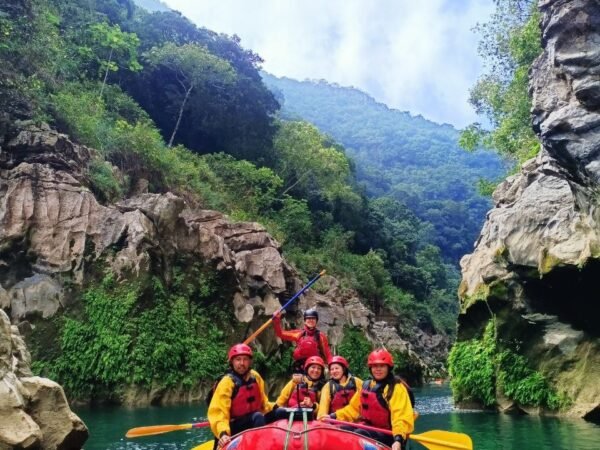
(296, 295)
(160, 429)
(433, 440)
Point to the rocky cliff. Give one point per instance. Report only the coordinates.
(54, 234)
(535, 264)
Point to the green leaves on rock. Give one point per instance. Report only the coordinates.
(471, 366)
(483, 368)
(130, 336)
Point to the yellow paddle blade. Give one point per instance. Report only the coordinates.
(208, 445)
(443, 440)
(156, 429)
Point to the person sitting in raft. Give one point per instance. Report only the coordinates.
(309, 340)
(340, 388)
(239, 401)
(383, 402)
(302, 391)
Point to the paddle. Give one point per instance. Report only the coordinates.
(433, 440)
(208, 445)
(160, 429)
(296, 295)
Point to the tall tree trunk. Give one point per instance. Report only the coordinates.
(187, 94)
(106, 73)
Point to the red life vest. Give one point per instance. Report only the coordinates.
(300, 391)
(307, 345)
(374, 409)
(246, 396)
(341, 395)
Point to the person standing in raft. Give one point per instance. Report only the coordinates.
(340, 388)
(309, 340)
(383, 402)
(302, 391)
(239, 401)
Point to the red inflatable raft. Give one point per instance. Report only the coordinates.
(300, 433)
(313, 435)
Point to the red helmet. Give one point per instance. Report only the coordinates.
(380, 356)
(339, 360)
(314, 360)
(239, 349)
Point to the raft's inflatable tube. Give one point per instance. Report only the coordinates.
(283, 435)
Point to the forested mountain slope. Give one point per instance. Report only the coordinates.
(408, 158)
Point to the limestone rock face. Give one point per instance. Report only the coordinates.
(34, 412)
(537, 260)
(566, 91)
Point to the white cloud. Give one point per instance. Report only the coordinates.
(417, 56)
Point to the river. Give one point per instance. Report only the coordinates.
(489, 431)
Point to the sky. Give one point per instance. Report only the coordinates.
(413, 55)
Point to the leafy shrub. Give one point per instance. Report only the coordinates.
(251, 189)
(127, 336)
(80, 112)
(472, 368)
(478, 366)
(105, 184)
(125, 136)
(356, 348)
(526, 386)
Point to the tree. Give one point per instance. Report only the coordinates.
(111, 48)
(193, 67)
(311, 164)
(237, 121)
(511, 41)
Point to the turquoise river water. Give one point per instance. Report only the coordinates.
(489, 431)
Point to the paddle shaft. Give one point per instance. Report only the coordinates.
(359, 425)
(296, 295)
(431, 439)
(160, 429)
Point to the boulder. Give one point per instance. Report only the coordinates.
(48, 407)
(34, 412)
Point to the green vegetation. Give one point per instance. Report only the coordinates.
(510, 43)
(524, 385)
(480, 366)
(194, 67)
(274, 368)
(130, 335)
(472, 368)
(110, 48)
(408, 159)
(356, 348)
